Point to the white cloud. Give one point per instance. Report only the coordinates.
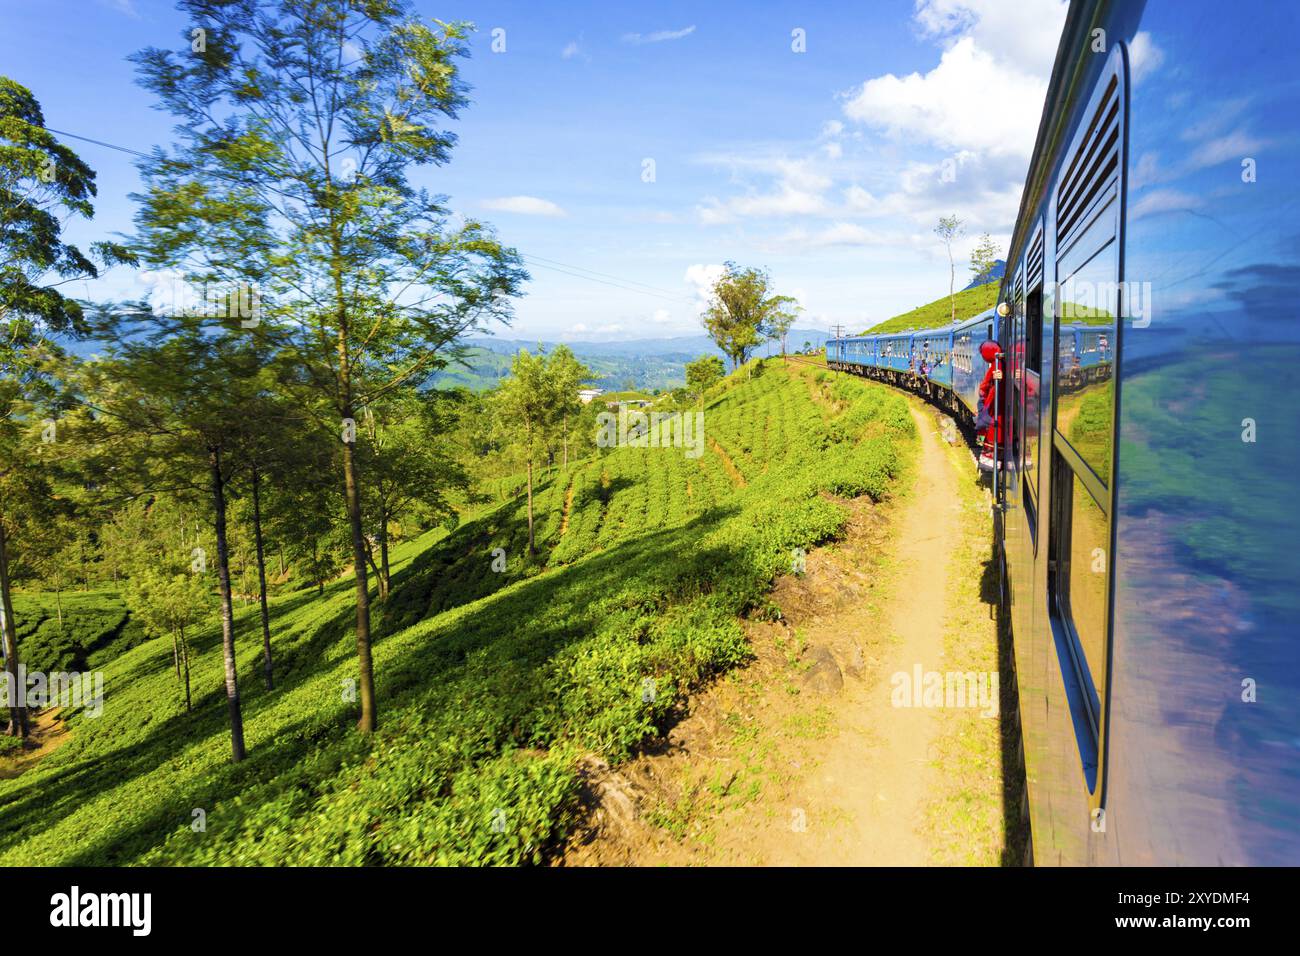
(702, 278)
(570, 50)
(832, 128)
(1144, 57)
(524, 206)
(969, 101)
(1235, 146)
(1161, 201)
(798, 191)
(1024, 33)
(659, 36)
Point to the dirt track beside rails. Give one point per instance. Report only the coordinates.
(801, 758)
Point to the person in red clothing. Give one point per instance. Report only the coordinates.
(988, 419)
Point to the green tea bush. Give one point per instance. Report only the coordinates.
(492, 685)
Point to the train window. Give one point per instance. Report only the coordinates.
(1083, 585)
(1084, 394)
(1078, 576)
(1085, 277)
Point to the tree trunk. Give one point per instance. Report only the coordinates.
(261, 580)
(58, 603)
(227, 609)
(952, 284)
(531, 549)
(368, 721)
(374, 566)
(185, 652)
(385, 574)
(176, 656)
(18, 726)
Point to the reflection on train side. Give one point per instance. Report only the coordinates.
(1085, 406)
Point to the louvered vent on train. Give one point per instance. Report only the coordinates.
(1035, 259)
(1094, 166)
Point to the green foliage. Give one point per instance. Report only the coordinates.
(743, 312)
(497, 683)
(702, 374)
(984, 259)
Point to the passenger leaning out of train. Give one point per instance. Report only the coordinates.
(988, 420)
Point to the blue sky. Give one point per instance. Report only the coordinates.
(827, 166)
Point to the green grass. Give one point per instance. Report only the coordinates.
(938, 313)
(491, 685)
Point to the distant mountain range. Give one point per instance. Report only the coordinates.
(692, 345)
(627, 364)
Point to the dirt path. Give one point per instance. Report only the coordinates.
(568, 505)
(48, 734)
(728, 465)
(802, 758)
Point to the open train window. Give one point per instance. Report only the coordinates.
(1087, 275)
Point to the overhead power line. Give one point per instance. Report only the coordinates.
(577, 272)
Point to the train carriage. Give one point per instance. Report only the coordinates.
(1144, 500)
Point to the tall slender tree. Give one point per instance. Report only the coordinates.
(168, 413)
(949, 229)
(42, 184)
(300, 124)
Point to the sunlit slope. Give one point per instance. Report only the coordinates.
(492, 684)
(937, 314)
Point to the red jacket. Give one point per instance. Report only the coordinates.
(987, 391)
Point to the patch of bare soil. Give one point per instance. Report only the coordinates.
(728, 465)
(48, 733)
(800, 758)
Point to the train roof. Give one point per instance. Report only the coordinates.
(988, 315)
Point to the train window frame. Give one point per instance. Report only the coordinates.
(1094, 227)
(1034, 288)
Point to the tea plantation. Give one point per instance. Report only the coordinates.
(496, 672)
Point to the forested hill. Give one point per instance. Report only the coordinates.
(499, 676)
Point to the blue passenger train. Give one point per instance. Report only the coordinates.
(1145, 504)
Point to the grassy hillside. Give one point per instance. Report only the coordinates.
(493, 685)
(939, 312)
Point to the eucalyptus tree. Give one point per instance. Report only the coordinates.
(167, 601)
(949, 229)
(42, 184)
(524, 406)
(272, 434)
(167, 414)
(300, 124)
(566, 375)
(407, 454)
